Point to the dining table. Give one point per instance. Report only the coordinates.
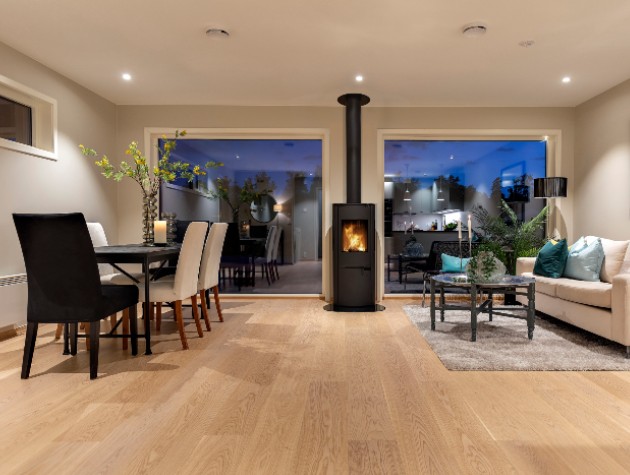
(138, 254)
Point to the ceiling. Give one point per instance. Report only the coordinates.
(287, 52)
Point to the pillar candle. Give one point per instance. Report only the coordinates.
(159, 232)
(459, 229)
(469, 228)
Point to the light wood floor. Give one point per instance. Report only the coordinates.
(284, 387)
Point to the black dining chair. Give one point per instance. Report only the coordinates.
(60, 243)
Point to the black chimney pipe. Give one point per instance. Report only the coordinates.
(353, 103)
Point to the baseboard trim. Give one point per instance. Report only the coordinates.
(11, 331)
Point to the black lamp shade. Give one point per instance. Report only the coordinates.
(552, 187)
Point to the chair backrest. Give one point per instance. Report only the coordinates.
(97, 234)
(61, 269)
(276, 243)
(187, 273)
(232, 246)
(211, 259)
(271, 239)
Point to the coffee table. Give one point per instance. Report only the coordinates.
(506, 285)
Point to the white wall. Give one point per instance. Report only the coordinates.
(73, 182)
(602, 165)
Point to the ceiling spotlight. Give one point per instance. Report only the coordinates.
(474, 30)
(452, 157)
(566, 79)
(217, 33)
(126, 76)
(358, 78)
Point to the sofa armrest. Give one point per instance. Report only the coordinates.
(525, 264)
(621, 309)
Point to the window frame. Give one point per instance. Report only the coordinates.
(43, 119)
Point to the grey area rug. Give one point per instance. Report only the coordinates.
(502, 345)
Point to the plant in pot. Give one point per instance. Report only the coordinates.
(508, 237)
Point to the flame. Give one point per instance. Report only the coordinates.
(354, 237)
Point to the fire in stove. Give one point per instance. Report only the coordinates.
(354, 236)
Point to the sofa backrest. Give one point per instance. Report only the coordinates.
(615, 253)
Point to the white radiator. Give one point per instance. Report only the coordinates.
(13, 297)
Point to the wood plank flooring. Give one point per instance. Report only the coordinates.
(284, 387)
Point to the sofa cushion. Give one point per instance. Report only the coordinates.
(544, 285)
(597, 294)
(614, 253)
(551, 259)
(454, 263)
(585, 261)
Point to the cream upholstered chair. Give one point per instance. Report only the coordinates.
(266, 261)
(184, 284)
(209, 272)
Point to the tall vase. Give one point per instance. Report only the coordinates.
(149, 213)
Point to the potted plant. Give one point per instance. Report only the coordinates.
(508, 237)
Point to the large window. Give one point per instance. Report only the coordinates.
(432, 184)
(262, 183)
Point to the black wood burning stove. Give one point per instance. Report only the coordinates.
(354, 251)
(354, 232)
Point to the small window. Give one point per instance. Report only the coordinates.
(28, 120)
(16, 121)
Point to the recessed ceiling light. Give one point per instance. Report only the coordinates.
(358, 78)
(217, 33)
(126, 76)
(566, 79)
(526, 43)
(473, 30)
(452, 157)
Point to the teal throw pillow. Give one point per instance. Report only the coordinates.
(453, 263)
(551, 259)
(586, 262)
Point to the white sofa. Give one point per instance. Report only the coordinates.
(602, 307)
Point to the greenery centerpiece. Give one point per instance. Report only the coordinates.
(148, 177)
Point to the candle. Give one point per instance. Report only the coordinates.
(159, 232)
(405, 227)
(459, 229)
(469, 228)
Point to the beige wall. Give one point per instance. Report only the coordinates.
(133, 119)
(72, 183)
(602, 165)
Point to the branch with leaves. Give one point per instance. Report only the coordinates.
(140, 170)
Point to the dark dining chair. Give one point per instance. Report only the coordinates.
(60, 243)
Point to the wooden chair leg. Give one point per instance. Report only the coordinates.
(125, 328)
(131, 314)
(204, 308)
(195, 310)
(29, 348)
(152, 310)
(95, 330)
(180, 323)
(158, 316)
(59, 331)
(217, 304)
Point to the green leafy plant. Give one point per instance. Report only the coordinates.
(150, 178)
(507, 236)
